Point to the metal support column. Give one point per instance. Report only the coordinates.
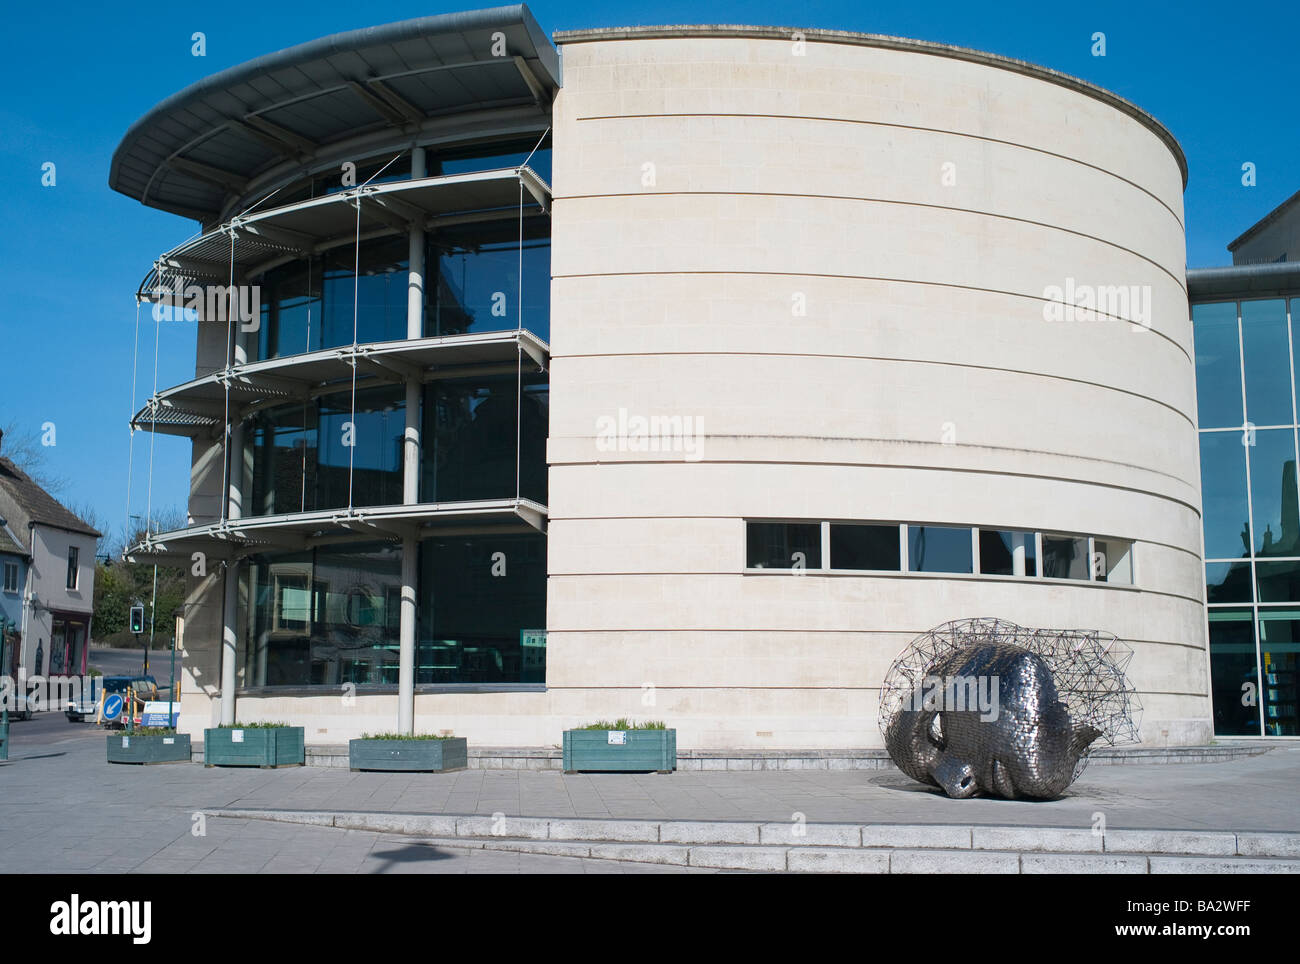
(229, 636)
(411, 472)
(235, 466)
(406, 657)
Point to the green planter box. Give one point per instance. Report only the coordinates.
(415, 756)
(640, 751)
(279, 746)
(153, 748)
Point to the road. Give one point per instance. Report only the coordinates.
(128, 662)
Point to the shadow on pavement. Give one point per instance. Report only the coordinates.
(412, 853)
(34, 756)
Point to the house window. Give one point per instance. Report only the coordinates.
(72, 567)
(11, 577)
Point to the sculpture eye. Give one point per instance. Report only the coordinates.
(935, 730)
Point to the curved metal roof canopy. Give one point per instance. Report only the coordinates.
(202, 148)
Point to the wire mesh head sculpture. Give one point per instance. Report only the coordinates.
(986, 706)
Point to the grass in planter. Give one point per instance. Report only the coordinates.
(252, 726)
(405, 736)
(147, 731)
(622, 723)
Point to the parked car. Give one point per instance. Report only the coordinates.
(80, 709)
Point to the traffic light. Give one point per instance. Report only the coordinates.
(137, 619)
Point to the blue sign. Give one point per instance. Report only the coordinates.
(112, 706)
(156, 714)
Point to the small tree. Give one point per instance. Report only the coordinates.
(22, 446)
(119, 583)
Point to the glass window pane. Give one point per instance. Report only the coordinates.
(1005, 552)
(783, 545)
(1278, 581)
(477, 595)
(368, 441)
(1279, 645)
(474, 278)
(1223, 495)
(468, 444)
(1273, 492)
(281, 453)
(1227, 582)
(1218, 365)
(1065, 557)
(291, 309)
(864, 547)
(1113, 561)
(314, 617)
(1234, 674)
(1267, 362)
(333, 616)
(939, 549)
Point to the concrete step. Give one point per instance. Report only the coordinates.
(832, 847)
(846, 860)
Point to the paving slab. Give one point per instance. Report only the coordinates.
(126, 817)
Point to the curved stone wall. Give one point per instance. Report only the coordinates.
(839, 262)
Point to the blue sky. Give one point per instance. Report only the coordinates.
(76, 75)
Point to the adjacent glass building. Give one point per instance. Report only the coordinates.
(1246, 373)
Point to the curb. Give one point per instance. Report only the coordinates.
(830, 848)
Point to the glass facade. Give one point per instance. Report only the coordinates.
(333, 615)
(472, 285)
(1246, 393)
(303, 457)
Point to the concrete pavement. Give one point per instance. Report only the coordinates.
(63, 808)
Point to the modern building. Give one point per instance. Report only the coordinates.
(1245, 319)
(683, 373)
(47, 556)
(1272, 239)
